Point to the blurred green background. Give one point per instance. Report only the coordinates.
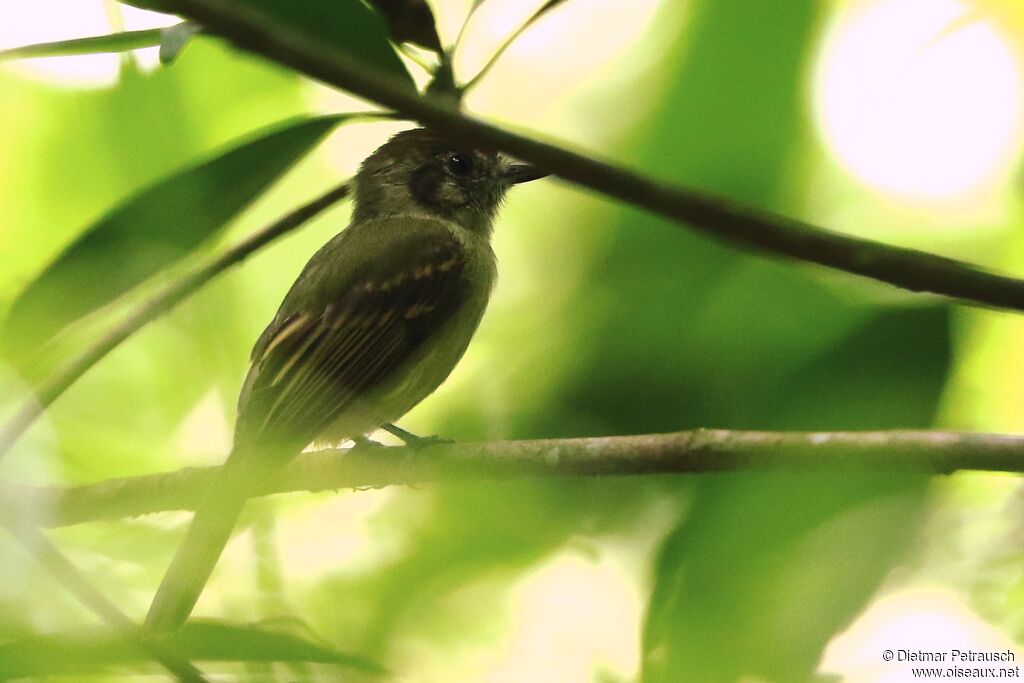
(899, 120)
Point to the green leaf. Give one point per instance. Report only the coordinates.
(348, 25)
(173, 40)
(200, 640)
(151, 5)
(768, 567)
(154, 229)
(115, 42)
(410, 21)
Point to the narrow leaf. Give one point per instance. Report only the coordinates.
(410, 21)
(201, 640)
(210, 640)
(154, 229)
(151, 5)
(173, 40)
(348, 25)
(115, 42)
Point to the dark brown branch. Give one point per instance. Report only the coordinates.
(705, 450)
(719, 217)
(46, 393)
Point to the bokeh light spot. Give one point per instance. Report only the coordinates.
(920, 99)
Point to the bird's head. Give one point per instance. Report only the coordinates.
(418, 172)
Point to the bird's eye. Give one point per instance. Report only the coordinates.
(460, 164)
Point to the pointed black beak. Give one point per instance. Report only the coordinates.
(523, 173)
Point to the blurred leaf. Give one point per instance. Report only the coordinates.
(467, 537)
(202, 640)
(763, 569)
(348, 25)
(547, 7)
(410, 21)
(173, 40)
(768, 567)
(154, 229)
(215, 640)
(152, 5)
(115, 42)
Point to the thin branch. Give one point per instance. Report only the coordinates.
(65, 572)
(719, 217)
(46, 393)
(512, 37)
(692, 452)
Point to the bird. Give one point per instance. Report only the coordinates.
(374, 323)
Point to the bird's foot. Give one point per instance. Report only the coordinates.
(411, 440)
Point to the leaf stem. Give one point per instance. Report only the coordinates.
(468, 85)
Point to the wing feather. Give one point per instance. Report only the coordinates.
(312, 364)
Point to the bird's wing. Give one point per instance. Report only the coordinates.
(313, 361)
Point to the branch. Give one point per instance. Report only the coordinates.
(700, 451)
(65, 572)
(719, 217)
(46, 393)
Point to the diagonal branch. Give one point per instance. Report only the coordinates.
(692, 452)
(61, 568)
(46, 393)
(718, 217)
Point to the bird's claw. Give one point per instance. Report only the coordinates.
(412, 441)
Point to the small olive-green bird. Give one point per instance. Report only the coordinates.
(376, 321)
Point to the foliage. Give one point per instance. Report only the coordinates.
(611, 324)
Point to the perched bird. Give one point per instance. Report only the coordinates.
(375, 322)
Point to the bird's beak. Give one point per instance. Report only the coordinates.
(523, 173)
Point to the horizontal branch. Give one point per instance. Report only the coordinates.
(719, 217)
(700, 451)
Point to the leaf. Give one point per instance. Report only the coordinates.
(764, 568)
(151, 5)
(154, 229)
(348, 25)
(199, 640)
(410, 21)
(767, 567)
(115, 42)
(173, 40)
(211, 640)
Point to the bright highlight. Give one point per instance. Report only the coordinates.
(920, 99)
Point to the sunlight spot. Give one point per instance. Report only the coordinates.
(921, 100)
(205, 436)
(337, 534)
(45, 21)
(921, 619)
(573, 612)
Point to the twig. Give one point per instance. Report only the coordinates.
(692, 452)
(62, 569)
(511, 38)
(716, 216)
(46, 393)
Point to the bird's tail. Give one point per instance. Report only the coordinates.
(198, 554)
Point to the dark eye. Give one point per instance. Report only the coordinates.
(460, 164)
